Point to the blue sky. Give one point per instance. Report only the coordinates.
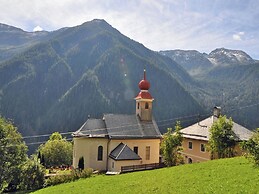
(201, 25)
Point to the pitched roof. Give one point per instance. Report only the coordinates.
(130, 126)
(144, 95)
(123, 152)
(119, 126)
(92, 128)
(200, 130)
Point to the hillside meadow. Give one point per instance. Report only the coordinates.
(235, 175)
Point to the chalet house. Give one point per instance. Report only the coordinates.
(119, 140)
(196, 137)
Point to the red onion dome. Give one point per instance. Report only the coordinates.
(144, 84)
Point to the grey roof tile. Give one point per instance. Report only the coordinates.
(92, 128)
(200, 130)
(123, 152)
(130, 126)
(117, 126)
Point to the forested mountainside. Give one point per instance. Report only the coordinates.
(56, 81)
(229, 78)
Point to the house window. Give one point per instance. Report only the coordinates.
(138, 105)
(100, 153)
(190, 145)
(189, 160)
(202, 147)
(135, 149)
(147, 152)
(146, 105)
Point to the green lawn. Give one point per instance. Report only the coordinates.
(235, 175)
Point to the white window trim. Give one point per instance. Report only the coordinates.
(204, 148)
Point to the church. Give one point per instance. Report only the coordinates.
(119, 140)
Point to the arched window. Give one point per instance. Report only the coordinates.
(146, 105)
(100, 153)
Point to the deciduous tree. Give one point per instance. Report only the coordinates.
(12, 155)
(17, 171)
(32, 175)
(56, 151)
(171, 145)
(222, 138)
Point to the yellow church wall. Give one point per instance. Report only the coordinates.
(88, 148)
(115, 166)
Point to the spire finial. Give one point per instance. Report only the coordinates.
(144, 74)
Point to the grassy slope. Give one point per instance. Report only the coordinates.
(234, 175)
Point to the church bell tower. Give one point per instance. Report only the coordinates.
(144, 100)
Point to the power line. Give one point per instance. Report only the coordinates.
(33, 143)
(243, 107)
(183, 118)
(167, 122)
(95, 130)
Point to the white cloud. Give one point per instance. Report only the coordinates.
(238, 36)
(159, 25)
(37, 28)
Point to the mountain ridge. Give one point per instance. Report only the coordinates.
(84, 70)
(230, 79)
(55, 82)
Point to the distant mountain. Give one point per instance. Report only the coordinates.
(90, 69)
(233, 87)
(227, 57)
(196, 63)
(229, 78)
(192, 61)
(14, 40)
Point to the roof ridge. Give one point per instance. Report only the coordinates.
(121, 150)
(155, 125)
(139, 124)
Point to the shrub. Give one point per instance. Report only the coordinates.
(252, 146)
(86, 173)
(32, 175)
(75, 175)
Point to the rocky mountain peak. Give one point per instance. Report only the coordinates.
(226, 57)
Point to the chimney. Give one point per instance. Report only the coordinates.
(217, 111)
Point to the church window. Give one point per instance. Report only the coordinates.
(100, 153)
(147, 152)
(146, 105)
(138, 105)
(135, 149)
